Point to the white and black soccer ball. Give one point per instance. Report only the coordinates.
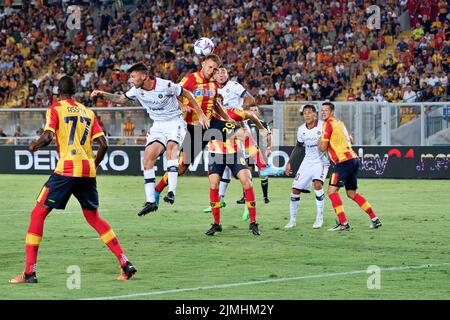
(203, 46)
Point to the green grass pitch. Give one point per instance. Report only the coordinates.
(175, 259)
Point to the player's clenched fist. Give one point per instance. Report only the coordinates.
(95, 93)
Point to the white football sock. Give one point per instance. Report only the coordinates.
(172, 174)
(293, 207)
(226, 178)
(149, 184)
(320, 195)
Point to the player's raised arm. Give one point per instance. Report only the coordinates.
(269, 143)
(249, 101)
(218, 108)
(253, 118)
(201, 116)
(115, 98)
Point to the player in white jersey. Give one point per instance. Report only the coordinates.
(159, 98)
(313, 169)
(233, 93)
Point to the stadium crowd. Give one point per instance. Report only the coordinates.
(280, 50)
(416, 71)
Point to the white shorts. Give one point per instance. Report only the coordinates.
(165, 131)
(307, 173)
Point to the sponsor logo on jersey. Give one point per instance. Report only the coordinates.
(204, 92)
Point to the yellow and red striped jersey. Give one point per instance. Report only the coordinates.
(223, 139)
(339, 147)
(204, 91)
(75, 127)
(236, 114)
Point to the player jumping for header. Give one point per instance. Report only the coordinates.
(159, 98)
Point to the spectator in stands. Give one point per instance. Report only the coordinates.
(390, 64)
(418, 31)
(351, 96)
(128, 128)
(409, 95)
(288, 90)
(258, 45)
(402, 45)
(426, 92)
(403, 80)
(364, 55)
(18, 132)
(3, 135)
(142, 137)
(326, 90)
(443, 80)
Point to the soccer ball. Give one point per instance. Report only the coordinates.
(203, 46)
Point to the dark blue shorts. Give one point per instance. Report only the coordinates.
(345, 174)
(194, 141)
(218, 162)
(58, 189)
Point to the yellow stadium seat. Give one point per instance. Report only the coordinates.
(388, 39)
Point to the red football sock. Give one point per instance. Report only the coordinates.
(34, 237)
(253, 150)
(365, 205)
(336, 202)
(215, 204)
(162, 183)
(106, 233)
(250, 203)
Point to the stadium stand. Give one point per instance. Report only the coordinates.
(282, 50)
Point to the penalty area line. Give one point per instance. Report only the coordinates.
(251, 283)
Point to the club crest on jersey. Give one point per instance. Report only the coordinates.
(204, 92)
(160, 96)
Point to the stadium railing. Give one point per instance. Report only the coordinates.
(369, 123)
(373, 123)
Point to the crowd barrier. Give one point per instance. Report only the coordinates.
(402, 162)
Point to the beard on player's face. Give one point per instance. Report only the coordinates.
(208, 74)
(138, 79)
(209, 69)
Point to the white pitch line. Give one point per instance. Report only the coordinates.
(239, 284)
